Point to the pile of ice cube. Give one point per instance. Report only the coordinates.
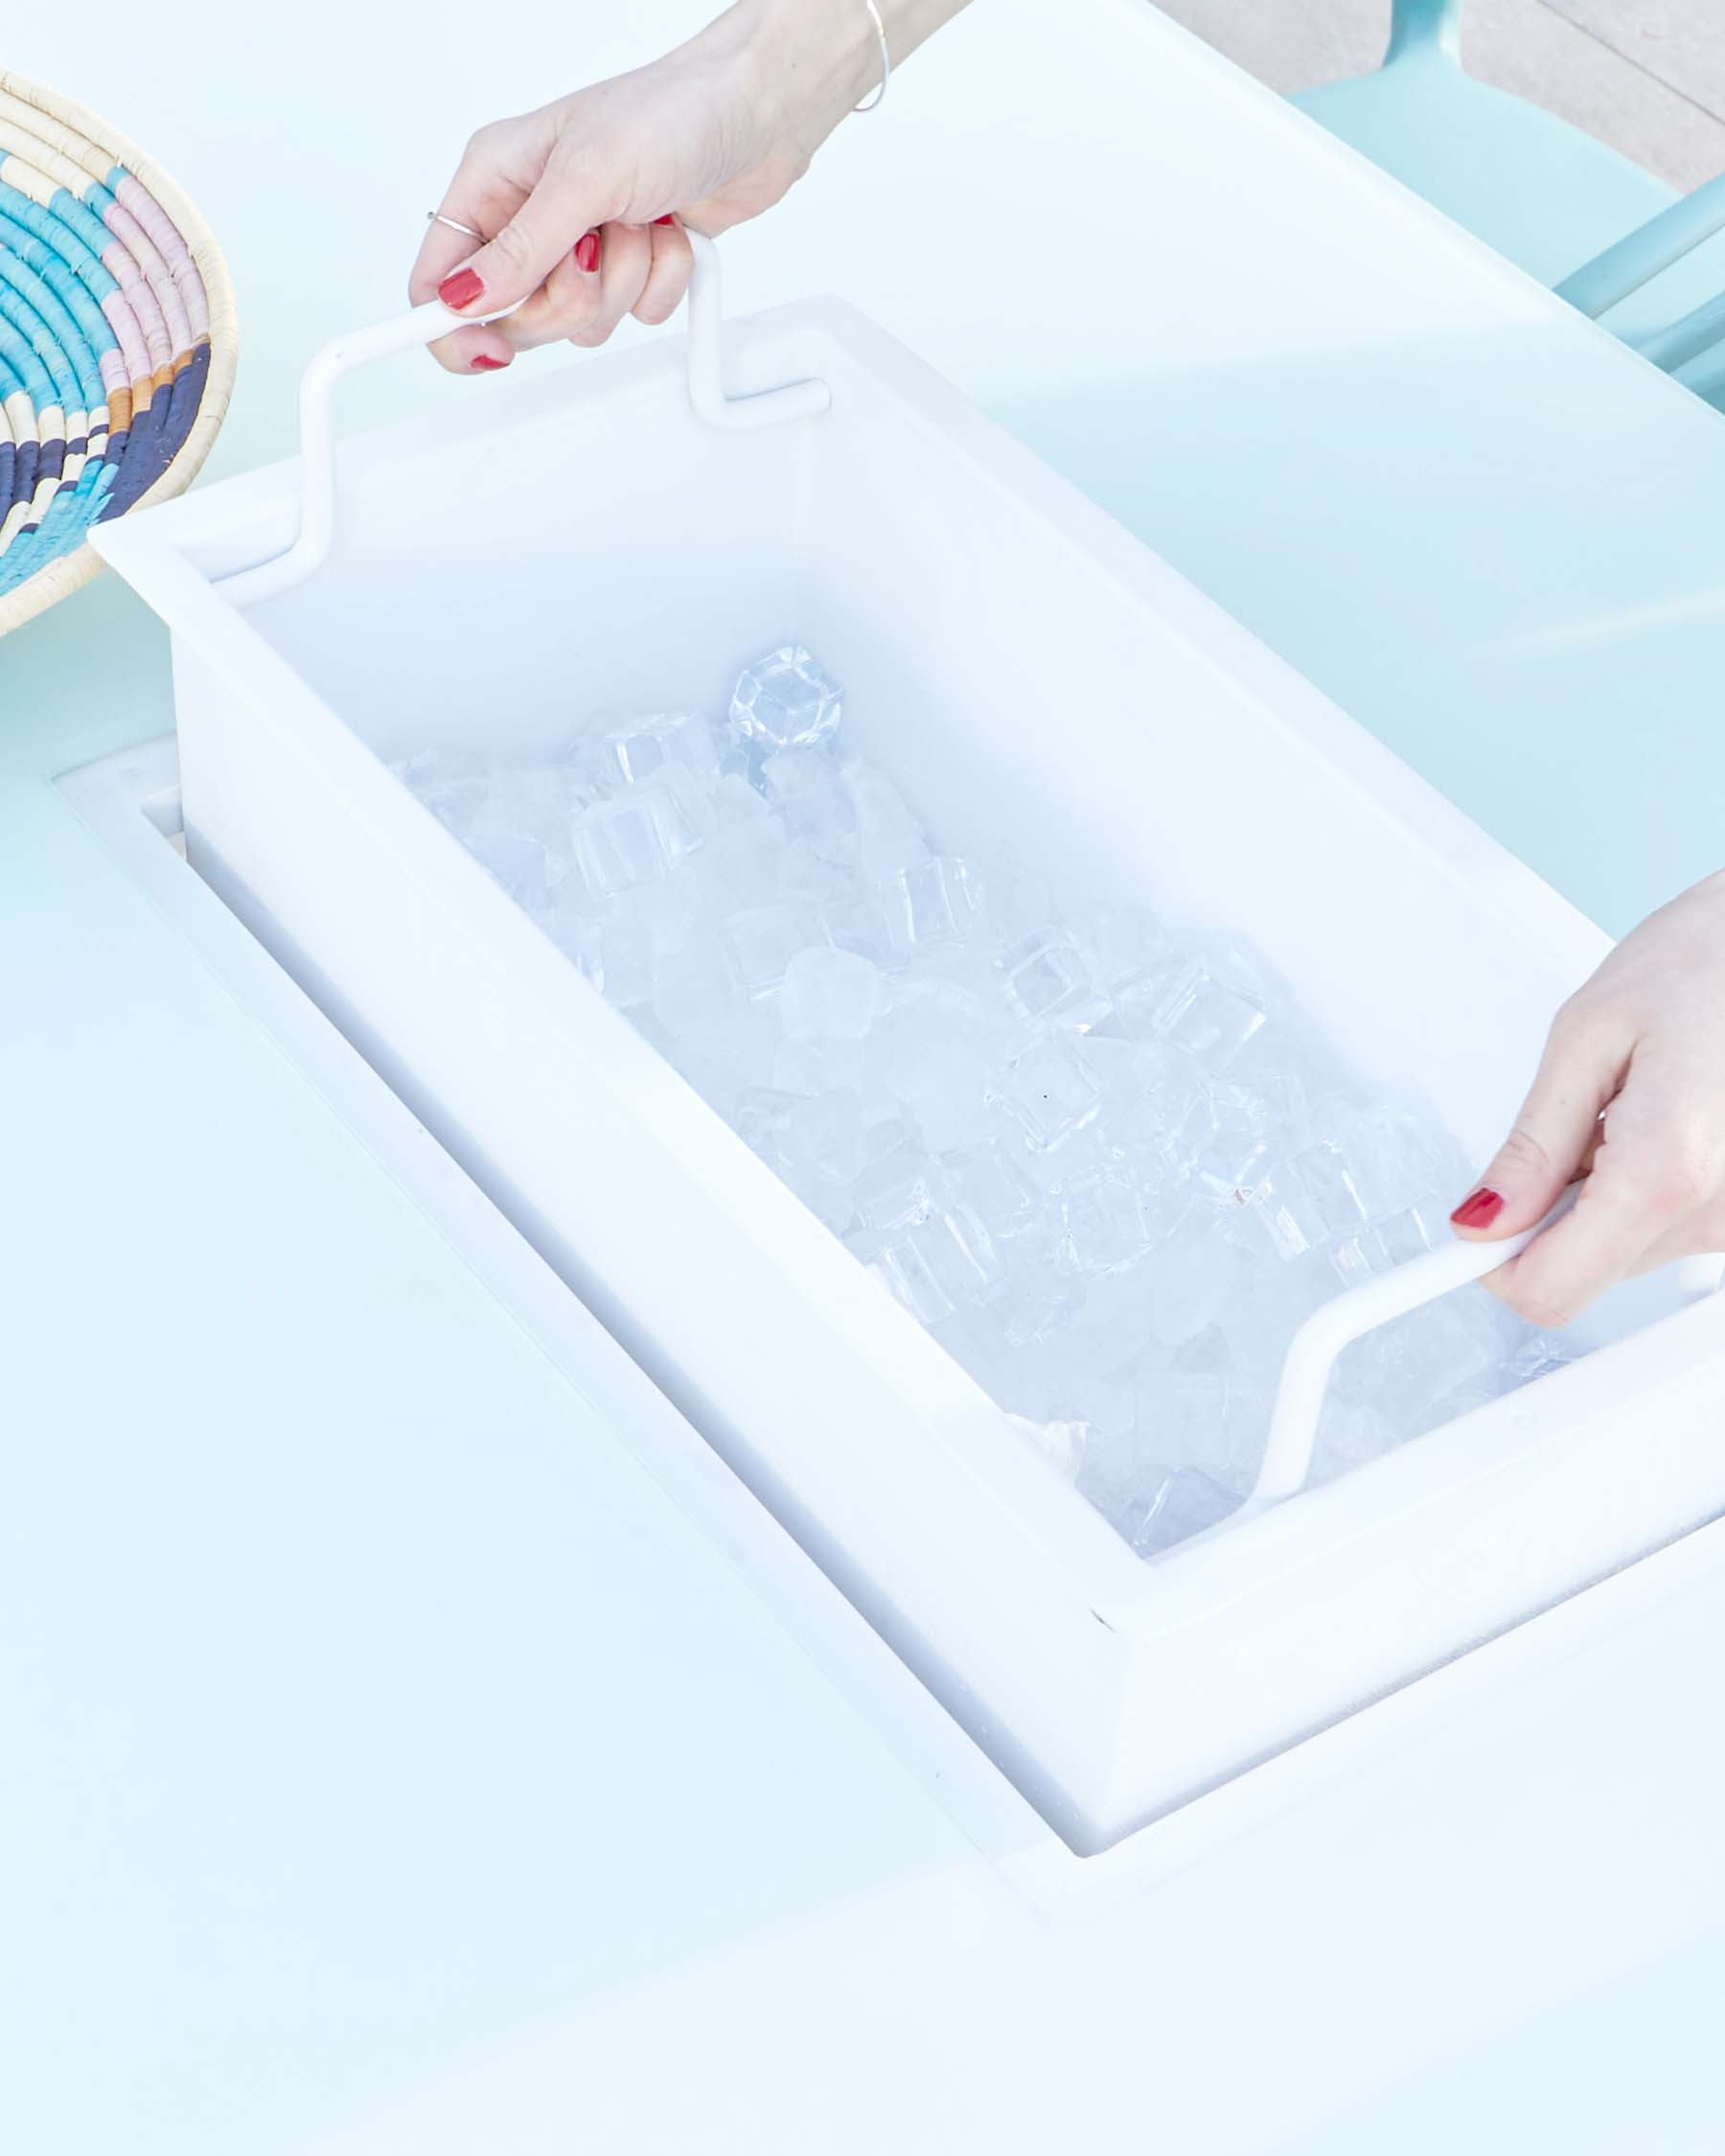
(1109, 1171)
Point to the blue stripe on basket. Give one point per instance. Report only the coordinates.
(63, 304)
(74, 510)
(33, 376)
(63, 204)
(56, 243)
(71, 387)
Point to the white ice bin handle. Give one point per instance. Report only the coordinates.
(1312, 1353)
(424, 325)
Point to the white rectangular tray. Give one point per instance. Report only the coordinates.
(586, 541)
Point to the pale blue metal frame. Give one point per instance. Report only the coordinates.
(1691, 348)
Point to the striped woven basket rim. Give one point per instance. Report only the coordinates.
(117, 339)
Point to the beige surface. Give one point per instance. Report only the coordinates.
(1646, 75)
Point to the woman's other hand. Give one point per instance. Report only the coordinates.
(1630, 1097)
(581, 203)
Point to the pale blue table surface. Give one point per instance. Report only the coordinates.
(361, 1694)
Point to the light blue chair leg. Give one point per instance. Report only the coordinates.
(1413, 23)
(1541, 191)
(1683, 341)
(1651, 248)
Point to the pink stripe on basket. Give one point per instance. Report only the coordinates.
(125, 325)
(114, 370)
(161, 228)
(156, 273)
(143, 304)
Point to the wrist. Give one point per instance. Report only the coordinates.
(807, 63)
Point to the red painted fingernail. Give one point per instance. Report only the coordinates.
(461, 288)
(667, 218)
(483, 362)
(587, 252)
(1479, 1210)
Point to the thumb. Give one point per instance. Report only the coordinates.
(562, 207)
(1553, 1139)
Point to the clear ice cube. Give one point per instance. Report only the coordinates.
(1047, 979)
(638, 748)
(938, 901)
(828, 994)
(890, 840)
(987, 1180)
(1205, 1015)
(762, 940)
(938, 1265)
(786, 701)
(1050, 1093)
(636, 838)
(815, 800)
(1106, 1222)
(898, 1185)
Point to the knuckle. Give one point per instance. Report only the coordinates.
(509, 250)
(1576, 1018)
(1524, 1152)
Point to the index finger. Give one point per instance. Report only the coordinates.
(1638, 1187)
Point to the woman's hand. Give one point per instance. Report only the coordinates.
(580, 201)
(1631, 1095)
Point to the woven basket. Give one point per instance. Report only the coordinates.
(116, 340)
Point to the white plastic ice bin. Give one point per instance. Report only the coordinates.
(581, 540)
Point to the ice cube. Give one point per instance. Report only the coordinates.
(762, 940)
(938, 1265)
(1035, 1307)
(938, 901)
(807, 875)
(828, 994)
(898, 1184)
(785, 701)
(761, 1118)
(942, 1080)
(1538, 1354)
(637, 749)
(1411, 1366)
(1207, 1419)
(1188, 1504)
(1105, 1405)
(1187, 1286)
(1277, 1212)
(614, 952)
(987, 1180)
(1050, 1093)
(450, 782)
(744, 862)
(857, 923)
(890, 840)
(1390, 1243)
(1207, 1016)
(1124, 943)
(815, 801)
(1061, 1444)
(1045, 980)
(1392, 1162)
(824, 1132)
(633, 839)
(693, 986)
(817, 1066)
(1106, 1222)
(729, 1058)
